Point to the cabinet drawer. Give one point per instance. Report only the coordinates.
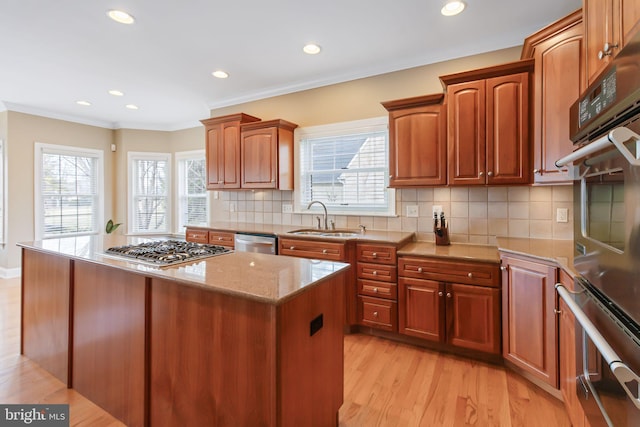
(485, 274)
(222, 238)
(197, 236)
(378, 289)
(380, 254)
(385, 273)
(312, 249)
(378, 313)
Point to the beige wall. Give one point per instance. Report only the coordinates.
(360, 99)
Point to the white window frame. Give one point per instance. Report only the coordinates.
(3, 193)
(132, 156)
(41, 148)
(375, 124)
(180, 157)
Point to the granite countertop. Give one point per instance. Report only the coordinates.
(371, 236)
(463, 251)
(558, 251)
(263, 277)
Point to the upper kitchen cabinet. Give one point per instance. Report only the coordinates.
(608, 26)
(267, 154)
(417, 141)
(222, 145)
(488, 125)
(558, 80)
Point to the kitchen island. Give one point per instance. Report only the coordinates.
(240, 339)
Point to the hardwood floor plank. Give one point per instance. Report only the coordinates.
(387, 384)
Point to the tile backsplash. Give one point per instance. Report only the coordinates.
(476, 214)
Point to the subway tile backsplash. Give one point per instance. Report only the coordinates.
(476, 214)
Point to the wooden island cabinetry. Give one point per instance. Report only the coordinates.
(558, 80)
(417, 141)
(529, 320)
(488, 130)
(452, 302)
(222, 146)
(211, 237)
(267, 154)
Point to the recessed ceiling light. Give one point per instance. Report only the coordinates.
(115, 92)
(84, 103)
(311, 49)
(120, 16)
(453, 7)
(131, 106)
(220, 74)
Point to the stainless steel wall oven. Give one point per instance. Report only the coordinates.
(605, 126)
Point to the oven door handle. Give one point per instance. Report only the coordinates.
(617, 137)
(622, 372)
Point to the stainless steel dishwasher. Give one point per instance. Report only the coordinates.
(256, 242)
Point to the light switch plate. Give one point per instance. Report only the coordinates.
(287, 208)
(562, 215)
(412, 211)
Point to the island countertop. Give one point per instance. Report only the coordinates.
(262, 277)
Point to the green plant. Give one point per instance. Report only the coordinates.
(111, 227)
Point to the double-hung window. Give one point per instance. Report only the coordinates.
(346, 166)
(193, 198)
(149, 190)
(68, 191)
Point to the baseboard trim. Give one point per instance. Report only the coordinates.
(9, 273)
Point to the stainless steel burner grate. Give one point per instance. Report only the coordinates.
(167, 252)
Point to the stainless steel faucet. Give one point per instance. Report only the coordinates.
(326, 227)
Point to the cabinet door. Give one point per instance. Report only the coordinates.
(214, 157)
(473, 317)
(259, 158)
(598, 20)
(466, 133)
(629, 15)
(421, 308)
(418, 146)
(530, 330)
(231, 155)
(508, 129)
(558, 81)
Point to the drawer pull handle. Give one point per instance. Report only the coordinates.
(419, 269)
(375, 273)
(440, 294)
(292, 248)
(375, 314)
(374, 255)
(324, 251)
(470, 275)
(375, 290)
(448, 294)
(220, 239)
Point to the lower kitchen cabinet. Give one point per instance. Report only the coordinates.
(460, 314)
(529, 321)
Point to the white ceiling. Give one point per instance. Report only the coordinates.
(54, 53)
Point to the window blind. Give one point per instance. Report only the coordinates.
(193, 202)
(348, 172)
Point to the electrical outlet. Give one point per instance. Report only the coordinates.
(216, 195)
(287, 208)
(562, 215)
(232, 207)
(412, 211)
(437, 209)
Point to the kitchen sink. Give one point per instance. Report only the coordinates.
(326, 233)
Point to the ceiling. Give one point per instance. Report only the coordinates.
(55, 53)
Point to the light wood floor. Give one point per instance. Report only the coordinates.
(386, 384)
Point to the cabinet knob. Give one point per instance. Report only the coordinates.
(324, 251)
(375, 314)
(419, 269)
(489, 173)
(374, 255)
(503, 268)
(481, 174)
(292, 248)
(536, 171)
(375, 290)
(470, 275)
(390, 176)
(440, 294)
(448, 294)
(556, 311)
(375, 273)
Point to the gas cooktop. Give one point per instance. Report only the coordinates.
(167, 252)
